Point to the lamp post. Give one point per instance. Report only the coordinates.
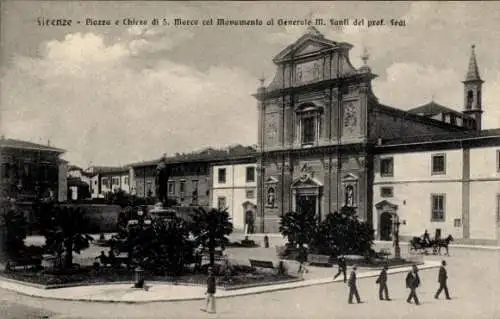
(140, 224)
(396, 223)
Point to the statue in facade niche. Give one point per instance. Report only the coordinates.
(349, 201)
(162, 175)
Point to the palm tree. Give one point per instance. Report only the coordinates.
(65, 233)
(210, 228)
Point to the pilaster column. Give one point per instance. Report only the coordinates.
(288, 119)
(363, 101)
(335, 116)
(327, 123)
(260, 194)
(465, 192)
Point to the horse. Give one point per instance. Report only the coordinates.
(442, 243)
(417, 243)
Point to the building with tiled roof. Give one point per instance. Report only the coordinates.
(325, 142)
(29, 170)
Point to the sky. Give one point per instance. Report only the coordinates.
(112, 95)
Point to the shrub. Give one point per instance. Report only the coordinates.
(343, 233)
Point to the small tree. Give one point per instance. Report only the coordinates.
(298, 228)
(65, 233)
(210, 228)
(16, 231)
(343, 233)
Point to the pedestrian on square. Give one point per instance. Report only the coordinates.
(210, 307)
(442, 279)
(353, 289)
(342, 268)
(412, 282)
(382, 282)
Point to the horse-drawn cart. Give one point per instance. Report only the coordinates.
(417, 244)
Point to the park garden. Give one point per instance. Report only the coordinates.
(157, 244)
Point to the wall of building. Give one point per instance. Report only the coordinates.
(236, 190)
(484, 192)
(26, 173)
(413, 185)
(186, 198)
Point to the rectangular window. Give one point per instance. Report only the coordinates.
(171, 187)
(308, 130)
(115, 181)
(125, 180)
(457, 222)
(221, 203)
(182, 187)
(386, 192)
(438, 164)
(221, 176)
(105, 182)
(250, 174)
(438, 207)
(250, 194)
(387, 166)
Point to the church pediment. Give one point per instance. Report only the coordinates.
(385, 204)
(271, 180)
(350, 177)
(249, 205)
(312, 41)
(307, 182)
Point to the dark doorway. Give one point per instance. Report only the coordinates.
(306, 204)
(385, 226)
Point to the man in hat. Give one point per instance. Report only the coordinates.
(342, 268)
(412, 282)
(382, 282)
(210, 307)
(353, 290)
(442, 278)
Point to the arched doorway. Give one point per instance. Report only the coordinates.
(385, 226)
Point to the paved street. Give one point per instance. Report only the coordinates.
(474, 277)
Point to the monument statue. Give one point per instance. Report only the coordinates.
(162, 175)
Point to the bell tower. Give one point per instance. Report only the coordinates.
(472, 91)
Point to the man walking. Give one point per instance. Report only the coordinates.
(342, 268)
(353, 290)
(382, 282)
(442, 278)
(210, 307)
(412, 282)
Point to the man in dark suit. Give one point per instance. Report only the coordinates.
(382, 281)
(353, 290)
(412, 282)
(442, 278)
(342, 268)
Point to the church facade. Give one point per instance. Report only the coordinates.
(319, 130)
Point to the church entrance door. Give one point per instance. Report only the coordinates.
(306, 204)
(385, 226)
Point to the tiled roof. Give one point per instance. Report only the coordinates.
(13, 143)
(431, 109)
(453, 136)
(108, 169)
(206, 155)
